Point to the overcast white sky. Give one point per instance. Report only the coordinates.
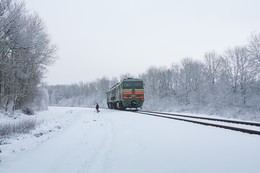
(99, 38)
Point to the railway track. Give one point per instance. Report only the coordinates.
(240, 126)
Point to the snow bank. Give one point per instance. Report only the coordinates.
(120, 141)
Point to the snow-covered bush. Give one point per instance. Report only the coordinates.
(28, 111)
(41, 99)
(21, 126)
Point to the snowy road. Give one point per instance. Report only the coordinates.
(124, 142)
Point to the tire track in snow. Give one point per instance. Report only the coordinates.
(99, 160)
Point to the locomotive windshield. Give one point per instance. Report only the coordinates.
(133, 84)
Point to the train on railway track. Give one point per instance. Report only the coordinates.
(129, 93)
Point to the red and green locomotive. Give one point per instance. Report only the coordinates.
(129, 93)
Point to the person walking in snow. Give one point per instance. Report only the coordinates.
(97, 108)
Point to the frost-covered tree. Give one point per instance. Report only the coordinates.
(191, 80)
(25, 52)
(254, 53)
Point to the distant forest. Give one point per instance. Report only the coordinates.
(223, 84)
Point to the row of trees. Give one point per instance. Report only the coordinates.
(25, 51)
(82, 94)
(227, 81)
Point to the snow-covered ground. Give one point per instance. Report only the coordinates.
(71, 140)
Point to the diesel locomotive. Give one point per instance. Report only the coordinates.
(129, 93)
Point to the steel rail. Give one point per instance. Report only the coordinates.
(249, 131)
(206, 118)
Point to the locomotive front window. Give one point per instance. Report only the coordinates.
(134, 84)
